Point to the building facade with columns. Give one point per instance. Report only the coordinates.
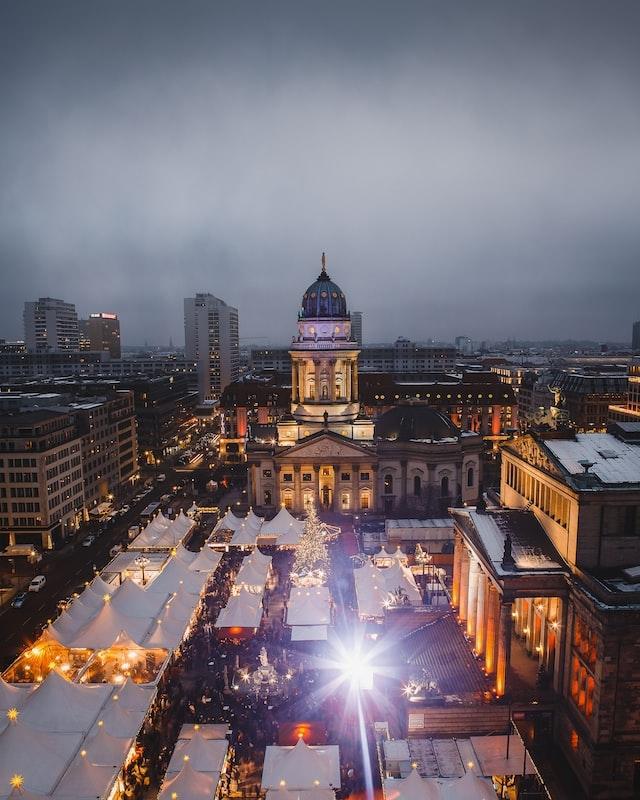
(328, 451)
(556, 576)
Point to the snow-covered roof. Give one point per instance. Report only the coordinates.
(614, 462)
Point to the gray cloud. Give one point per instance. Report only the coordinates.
(469, 168)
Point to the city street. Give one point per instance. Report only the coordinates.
(67, 570)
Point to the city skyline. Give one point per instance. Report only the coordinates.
(446, 160)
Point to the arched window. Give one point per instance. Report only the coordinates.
(388, 484)
(364, 501)
(417, 485)
(267, 497)
(470, 476)
(288, 501)
(444, 487)
(324, 392)
(344, 501)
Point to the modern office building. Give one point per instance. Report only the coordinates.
(356, 326)
(41, 478)
(101, 333)
(211, 339)
(635, 339)
(51, 326)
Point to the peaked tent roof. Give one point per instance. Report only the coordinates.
(104, 749)
(13, 695)
(134, 601)
(398, 577)
(228, 523)
(165, 635)
(85, 780)
(188, 784)
(469, 787)
(134, 697)
(206, 560)
(175, 577)
(100, 632)
(281, 523)
(301, 767)
(253, 519)
(205, 755)
(39, 756)
(185, 555)
(243, 610)
(309, 606)
(244, 535)
(61, 706)
(413, 787)
(118, 722)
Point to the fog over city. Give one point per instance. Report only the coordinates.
(469, 168)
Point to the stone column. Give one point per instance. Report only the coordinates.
(464, 583)
(347, 379)
(403, 481)
(374, 487)
(277, 500)
(294, 381)
(332, 378)
(297, 493)
(504, 648)
(472, 601)
(481, 621)
(355, 380)
(493, 598)
(355, 494)
(457, 564)
(301, 376)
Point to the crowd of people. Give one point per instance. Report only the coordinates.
(201, 685)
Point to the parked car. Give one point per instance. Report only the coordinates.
(89, 540)
(19, 600)
(37, 583)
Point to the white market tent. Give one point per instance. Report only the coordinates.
(384, 559)
(309, 606)
(244, 536)
(84, 780)
(309, 633)
(253, 519)
(396, 577)
(39, 756)
(106, 750)
(243, 610)
(60, 706)
(189, 784)
(281, 524)
(134, 697)
(413, 787)
(134, 601)
(228, 523)
(204, 755)
(371, 591)
(301, 767)
(206, 560)
(119, 722)
(100, 632)
(253, 573)
(177, 575)
(291, 536)
(187, 556)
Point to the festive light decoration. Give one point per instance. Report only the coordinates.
(17, 781)
(311, 553)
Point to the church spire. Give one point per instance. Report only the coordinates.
(323, 274)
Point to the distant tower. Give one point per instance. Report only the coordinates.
(101, 332)
(324, 357)
(51, 326)
(635, 339)
(356, 327)
(211, 339)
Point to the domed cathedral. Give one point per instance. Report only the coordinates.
(412, 460)
(324, 368)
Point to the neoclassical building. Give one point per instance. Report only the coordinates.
(326, 450)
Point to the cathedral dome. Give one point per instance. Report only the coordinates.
(324, 298)
(413, 422)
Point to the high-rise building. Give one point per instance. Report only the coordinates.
(101, 332)
(211, 339)
(51, 326)
(356, 327)
(464, 345)
(635, 339)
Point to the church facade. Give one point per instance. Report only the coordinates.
(328, 452)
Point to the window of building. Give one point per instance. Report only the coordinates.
(287, 477)
(344, 501)
(325, 472)
(345, 476)
(388, 484)
(266, 473)
(444, 486)
(417, 485)
(267, 497)
(288, 502)
(364, 501)
(470, 476)
(307, 477)
(364, 476)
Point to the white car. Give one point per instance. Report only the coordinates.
(37, 583)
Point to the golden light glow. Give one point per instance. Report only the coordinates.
(17, 781)
(12, 714)
(106, 597)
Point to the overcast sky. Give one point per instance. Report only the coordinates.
(470, 168)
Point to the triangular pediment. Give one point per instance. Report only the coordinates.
(325, 445)
(535, 454)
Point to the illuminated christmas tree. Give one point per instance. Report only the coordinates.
(312, 558)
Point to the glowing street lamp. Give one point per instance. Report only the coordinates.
(141, 562)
